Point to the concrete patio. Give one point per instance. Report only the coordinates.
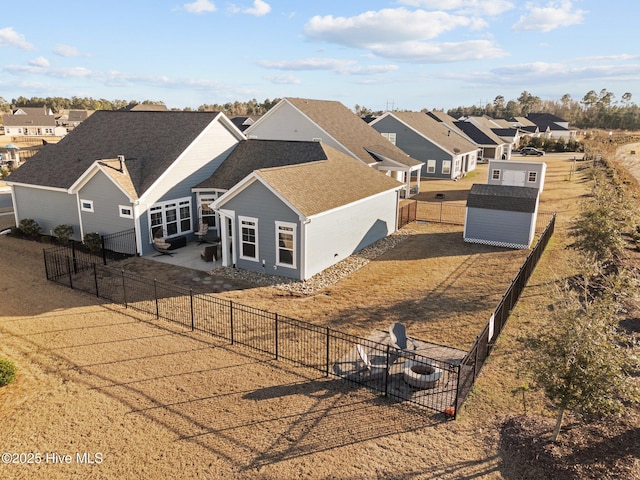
(187, 257)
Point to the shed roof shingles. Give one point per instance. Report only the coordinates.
(503, 197)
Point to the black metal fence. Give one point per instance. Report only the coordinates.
(115, 246)
(475, 359)
(317, 347)
(447, 212)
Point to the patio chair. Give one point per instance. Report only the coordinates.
(376, 366)
(160, 245)
(404, 346)
(201, 234)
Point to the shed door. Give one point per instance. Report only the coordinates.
(514, 177)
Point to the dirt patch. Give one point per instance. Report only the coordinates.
(598, 451)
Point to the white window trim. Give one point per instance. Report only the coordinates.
(162, 207)
(391, 136)
(294, 233)
(448, 164)
(121, 209)
(88, 207)
(431, 166)
(535, 174)
(242, 219)
(498, 171)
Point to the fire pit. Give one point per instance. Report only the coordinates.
(422, 375)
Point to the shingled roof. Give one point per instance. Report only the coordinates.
(436, 131)
(306, 186)
(250, 155)
(149, 141)
(350, 130)
(503, 197)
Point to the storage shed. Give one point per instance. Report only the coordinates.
(501, 215)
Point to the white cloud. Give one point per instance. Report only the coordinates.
(477, 7)
(286, 79)
(39, 62)
(349, 67)
(10, 38)
(555, 14)
(200, 6)
(435, 52)
(68, 51)
(259, 8)
(387, 25)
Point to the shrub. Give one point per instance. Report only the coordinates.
(29, 227)
(93, 242)
(7, 372)
(63, 232)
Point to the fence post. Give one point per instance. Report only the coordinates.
(193, 327)
(326, 371)
(441, 206)
(231, 320)
(276, 332)
(124, 291)
(70, 274)
(73, 254)
(95, 279)
(104, 252)
(46, 264)
(455, 411)
(386, 375)
(155, 296)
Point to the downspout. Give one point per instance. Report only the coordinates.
(80, 216)
(138, 227)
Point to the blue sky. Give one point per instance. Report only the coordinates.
(405, 54)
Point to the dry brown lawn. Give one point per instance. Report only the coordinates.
(156, 402)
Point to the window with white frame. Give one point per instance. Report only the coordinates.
(533, 177)
(431, 166)
(495, 174)
(286, 242)
(86, 205)
(457, 165)
(170, 218)
(125, 211)
(446, 167)
(391, 136)
(207, 215)
(248, 238)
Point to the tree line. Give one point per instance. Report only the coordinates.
(56, 104)
(593, 110)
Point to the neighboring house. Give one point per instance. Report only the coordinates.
(295, 208)
(244, 121)
(517, 173)
(334, 124)
(554, 126)
(527, 127)
(445, 152)
(122, 170)
(145, 107)
(32, 111)
(501, 215)
(490, 144)
(501, 127)
(30, 125)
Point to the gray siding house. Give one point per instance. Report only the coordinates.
(500, 215)
(445, 152)
(123, 170)
(312, 208)
(335, 125)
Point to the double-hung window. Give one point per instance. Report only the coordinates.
(171, 218)
(446, 167)
(286, 244)
(248, 238)
(431, 166)
(495, 174)
(532, 177)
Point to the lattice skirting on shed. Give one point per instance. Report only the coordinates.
(519, 246)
